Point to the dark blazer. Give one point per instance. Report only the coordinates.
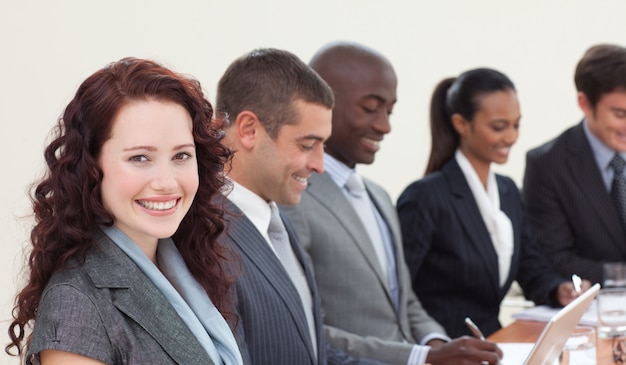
(359, 314)
(570, 210)
(453, 263)
(106, 308)
(273, 322)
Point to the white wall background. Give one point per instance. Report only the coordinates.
(48, 47)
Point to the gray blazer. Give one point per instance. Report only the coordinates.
(107, 309)
(570, 210)
(358, 311)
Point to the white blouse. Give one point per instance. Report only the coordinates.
(498, 223)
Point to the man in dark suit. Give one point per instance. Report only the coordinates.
(278, 114)
(369, 306)
(569, 181)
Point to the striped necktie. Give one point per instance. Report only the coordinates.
(618, 188)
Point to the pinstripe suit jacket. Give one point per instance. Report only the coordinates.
(272, 319)
(106, 308)
(358, 312)
(572, 215)
(453, 263)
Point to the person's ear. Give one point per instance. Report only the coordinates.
(585, 104)
(459, 123)
(246, 127)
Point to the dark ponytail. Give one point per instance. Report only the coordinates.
(443, 136)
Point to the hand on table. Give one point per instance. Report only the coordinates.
(464, 351)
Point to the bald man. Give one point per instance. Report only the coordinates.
(353, 235)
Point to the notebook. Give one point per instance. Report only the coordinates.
(554, 335)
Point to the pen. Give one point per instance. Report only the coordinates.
(474, 328)
(576, 280)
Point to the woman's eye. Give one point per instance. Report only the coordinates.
(499, 127)
(138, 158)
(182, 156)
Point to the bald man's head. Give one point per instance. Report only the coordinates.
(346, 52)
(364, 84)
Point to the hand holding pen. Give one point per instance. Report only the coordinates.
(491, 347)
(570, 290)
(474, 328)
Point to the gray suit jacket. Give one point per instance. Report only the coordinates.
(358, 311)
(106, 308)
(573, 217)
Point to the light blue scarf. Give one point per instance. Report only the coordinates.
(186, 295)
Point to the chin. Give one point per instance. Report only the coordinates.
(368, 160)
(620, 147)
(294, 201)
(291, 200)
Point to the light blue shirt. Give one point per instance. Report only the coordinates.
(603, 156)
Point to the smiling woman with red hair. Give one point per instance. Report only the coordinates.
(125, 267)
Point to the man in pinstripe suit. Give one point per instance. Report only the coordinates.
(568, 181)
(278, 115)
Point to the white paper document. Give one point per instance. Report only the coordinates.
(543, 313)
(515, 353)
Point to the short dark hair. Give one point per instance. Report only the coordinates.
(266, 81)
(601, 70)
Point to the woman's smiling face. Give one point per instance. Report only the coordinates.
(150, 169)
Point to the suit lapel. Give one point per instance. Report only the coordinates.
(386, 211)
(326, 192)
(585, 174)
(110, 267)
(254, 246)
(469, 215)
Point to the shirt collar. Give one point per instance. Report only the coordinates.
(490, 191)
(337, 170)
(255, 208)
(601, 152)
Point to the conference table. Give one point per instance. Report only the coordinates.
(529, 331)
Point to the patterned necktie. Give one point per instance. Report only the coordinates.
(280, 241)
(618, 188)
(384, 250)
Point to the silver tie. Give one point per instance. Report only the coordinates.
(383, 248)
(280, 240)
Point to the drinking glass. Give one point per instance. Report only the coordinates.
(611, 305)
(580, 348)
(614, 275)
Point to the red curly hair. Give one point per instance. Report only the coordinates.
(67, 202)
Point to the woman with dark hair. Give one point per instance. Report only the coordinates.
(464, 234)
(125, 267)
